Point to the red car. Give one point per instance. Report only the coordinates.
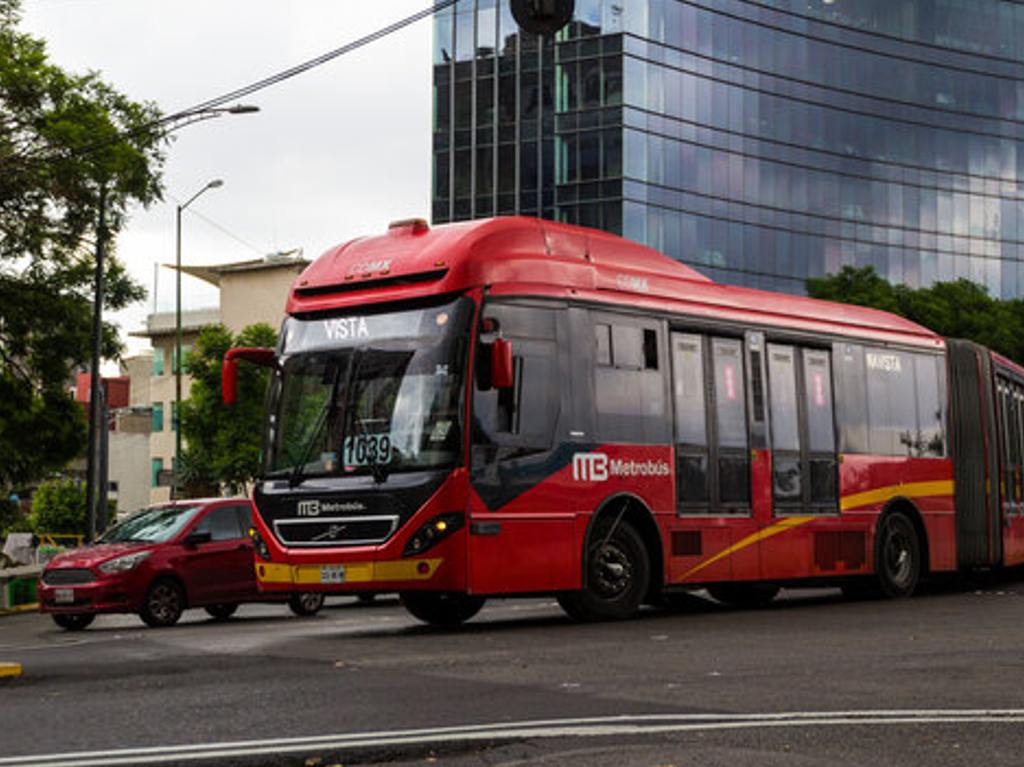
(159, 562)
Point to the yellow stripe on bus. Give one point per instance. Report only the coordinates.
(779, 527)
(908, 490)
(942, 487)
(355, 572)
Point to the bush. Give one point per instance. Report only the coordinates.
(58, 506)
(12, 520)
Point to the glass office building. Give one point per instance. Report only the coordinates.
(761, 141)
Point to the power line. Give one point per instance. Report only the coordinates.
(215, 107)
(299, 69)
(225, 231)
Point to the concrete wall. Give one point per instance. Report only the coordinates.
(256, 295)
(129, 466)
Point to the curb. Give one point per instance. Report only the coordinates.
(10, 670)
(33, 607)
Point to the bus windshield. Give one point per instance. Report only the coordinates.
(370, 393)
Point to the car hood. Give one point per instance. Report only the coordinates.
(90, 556)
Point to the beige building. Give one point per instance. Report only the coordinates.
(250, 292)
(128, 458)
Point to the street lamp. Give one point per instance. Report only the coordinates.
(94, 498)
(176, 411)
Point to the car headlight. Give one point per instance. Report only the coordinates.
(123, 564)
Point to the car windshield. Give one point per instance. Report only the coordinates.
(154, 525)
(369, 394)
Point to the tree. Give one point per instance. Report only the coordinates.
(66, 142)
(58, 506)
(223, 442)
(863, 287)
(959, 309)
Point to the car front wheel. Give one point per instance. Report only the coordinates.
(163, 605)
(305, 604)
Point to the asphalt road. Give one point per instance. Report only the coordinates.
(811, 680)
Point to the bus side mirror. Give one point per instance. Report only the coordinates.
(229, 372)
(229, 380)
(501, 364)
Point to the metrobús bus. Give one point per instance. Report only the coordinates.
(514, 406)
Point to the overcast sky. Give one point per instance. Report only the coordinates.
(334, 153)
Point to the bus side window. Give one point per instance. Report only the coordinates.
(851, 397)
(629, 385)
(691, 428)
(522, 416)
(931, 405)
(731, 423)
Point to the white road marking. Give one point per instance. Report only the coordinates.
(552, 728)
(51, 646)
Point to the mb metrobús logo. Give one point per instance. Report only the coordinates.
(598, 467)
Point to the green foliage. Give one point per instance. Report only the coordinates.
(12, 520)
(223, 442)
(58, 506)
(65, 141)
(960, 309)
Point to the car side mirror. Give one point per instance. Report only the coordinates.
(501, 364)
(198, 536)
(229, 371)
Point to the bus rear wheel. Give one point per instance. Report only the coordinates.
(617, 576)
(445, 610)
(897, 556)
(743, 594)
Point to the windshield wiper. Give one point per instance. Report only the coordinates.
(321, 420)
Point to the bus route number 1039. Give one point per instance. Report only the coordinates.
(367, 449)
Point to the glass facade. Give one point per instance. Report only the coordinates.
(761, 141)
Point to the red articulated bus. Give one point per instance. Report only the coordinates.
(514, 406)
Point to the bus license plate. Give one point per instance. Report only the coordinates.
(64, 596)
(332, 573)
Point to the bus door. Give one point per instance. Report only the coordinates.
(1010, 401)
(521, 519)
(804, 457)
(712, 445)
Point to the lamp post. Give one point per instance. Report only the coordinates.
(94, 498)
(176, 410)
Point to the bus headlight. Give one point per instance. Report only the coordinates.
(259, 544)
(437, 529)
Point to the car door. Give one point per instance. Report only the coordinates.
(246, 585)
(220, 570)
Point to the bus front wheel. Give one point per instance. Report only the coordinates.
(617, 575)
(445, 610)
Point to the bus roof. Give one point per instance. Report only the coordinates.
(528, 256)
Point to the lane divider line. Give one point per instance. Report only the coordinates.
(623, 725)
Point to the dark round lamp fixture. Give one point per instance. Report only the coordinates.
(542, 17)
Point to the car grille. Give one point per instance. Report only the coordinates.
(336, 531)
(67, 576)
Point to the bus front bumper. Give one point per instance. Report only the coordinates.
(347, 576)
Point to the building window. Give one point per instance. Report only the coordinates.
(157, 467)
(185, 351)
(158, 362)
(158, 416)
